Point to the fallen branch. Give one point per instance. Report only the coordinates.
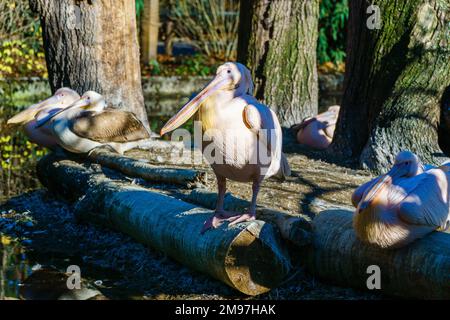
(296, 229)
(248, 257)
(139, 169)
(421, 270)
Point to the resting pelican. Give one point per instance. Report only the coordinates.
(403, 205)
(237, 128)
(28, 118)
(317, 132)
(87, 124)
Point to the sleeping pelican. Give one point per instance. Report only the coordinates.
(28, 118)
(317, 132)
(403, 205)
(87, 124)
(237, 128)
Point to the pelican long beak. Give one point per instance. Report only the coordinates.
(29, 113)
(189, 109)
(81, 103)
(381, 184)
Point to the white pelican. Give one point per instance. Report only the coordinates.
(317, 132)
(403, 205)
(87, 124)
(239, 129)
(28, 118)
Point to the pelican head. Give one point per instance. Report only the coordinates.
(407, 164)
(62, 98)
(90, 100)
(231, 77)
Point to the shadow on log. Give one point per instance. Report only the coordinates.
(296, 229)
(248, 257)
(421, 270)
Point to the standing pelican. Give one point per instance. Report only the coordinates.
(87, 124)
(28, 118)
(403, 205)
(237, 128)
(317, 132)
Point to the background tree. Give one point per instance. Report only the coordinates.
(278, 41)
(395, 78)
(92, 45)
(149, 30)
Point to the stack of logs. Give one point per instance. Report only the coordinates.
(251, 257)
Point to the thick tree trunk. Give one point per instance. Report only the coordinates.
(277, 41)
(444, 129)
(395, 78)
(92, 45)
(149, 30)
(248, 257)
(420, 270)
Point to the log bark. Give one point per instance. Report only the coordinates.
(296, 229)
(395, 78)
(421, 270)
(248, 257)
(277, 41)
(138, 169)
(92, 45)
(149, 30)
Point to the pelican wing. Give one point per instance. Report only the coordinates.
(110, 125)
(264, 122)
(428, 203)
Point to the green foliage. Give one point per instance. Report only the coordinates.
(18, 155)
(333, 19)
(17, 58)
(139, 7)
(194, 65)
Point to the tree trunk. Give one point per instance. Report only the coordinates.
(277, 41)
(248, 257)
(444, 129)
(92, 45)
(420, 270)
(395, 78)
(149, 30)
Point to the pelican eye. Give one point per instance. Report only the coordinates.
(229, 71)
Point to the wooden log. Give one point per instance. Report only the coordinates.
(296, 229)
(248, 257)
(140, 169)
(421, 270)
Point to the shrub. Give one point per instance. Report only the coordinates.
(210, 25)
(333, 19)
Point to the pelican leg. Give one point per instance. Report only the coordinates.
(251, 214)
(220, 214)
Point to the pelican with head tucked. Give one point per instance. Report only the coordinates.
(403, 205)
(242, 137)
(29, 117)
(317, 132)
(88, 123)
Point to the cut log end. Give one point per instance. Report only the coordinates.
(268, 264)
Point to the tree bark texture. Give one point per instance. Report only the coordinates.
(249, 257)
(92, 45)
(394, 82)
(420, 270)
(277, 41)
(149, 30)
